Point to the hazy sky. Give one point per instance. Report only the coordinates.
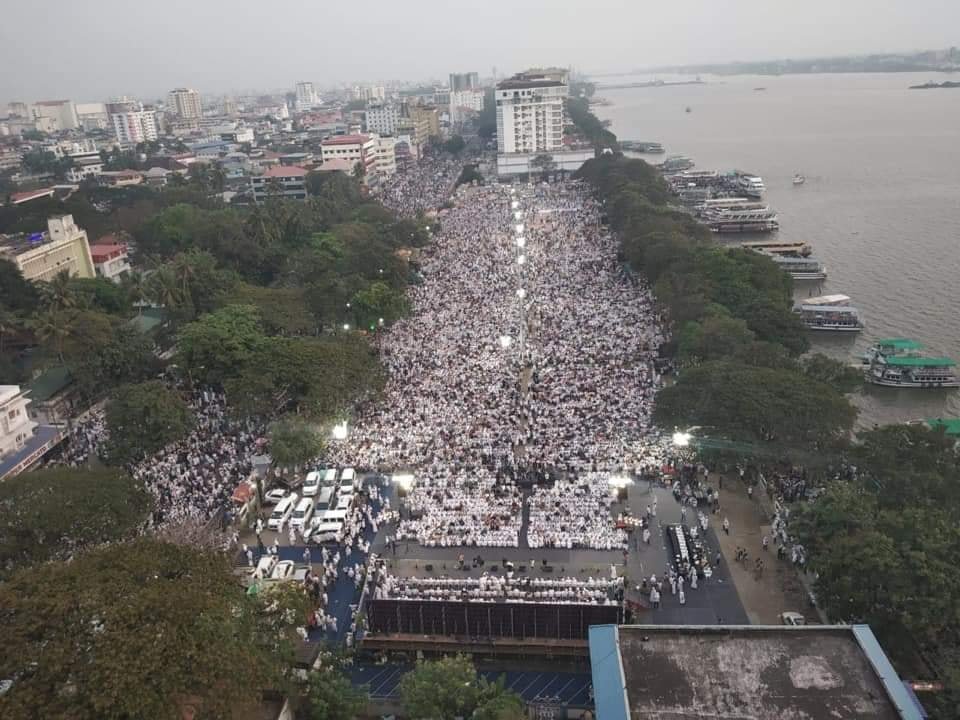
(88, 51)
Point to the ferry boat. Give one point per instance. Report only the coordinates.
(800, 268)
(779, 248)
(729, 203)
(904, 371)
(676, 163)
(829, 312)
(888, 347)
(654, 148)
(737, 220)
(751, 185)
(696, 178)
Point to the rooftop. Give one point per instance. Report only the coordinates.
(771, 672)
(521, 84)
(106, 251)
(346, 140)
(49, 383)
(284, 171)
(900, 343)
(27, 195)
(951, 426)
(905, 361)
(43, 439)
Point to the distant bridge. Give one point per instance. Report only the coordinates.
(649, 83)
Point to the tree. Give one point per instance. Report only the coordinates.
(144, 417)
(714, 338)
(440, 689)
(101, 294)
(138, 630)
(498, 703)
(218, 345)
(544, 163)
(455, 145)
(836, 373)
(52, 328)
(331, 695)
(16, 293)
(55, 512)
(58, 293)
(377, 304)
(126, 357)
(283, 311)
(293, 441)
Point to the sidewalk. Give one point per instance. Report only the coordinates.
(778, 588)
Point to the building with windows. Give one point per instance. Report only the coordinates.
(185, 103)
(40, 256)
(131, 123)
(110, 259)
(530, 119)
(92, 116)
(356, 149)
(382, 118)
(386, 156)
(16, 427)
(307, 96)
(460, 82)
(86, 166)
(287, 182)
(54, 115)
(464, 102)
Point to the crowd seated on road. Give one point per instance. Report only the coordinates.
(574, 514)
(498, 588)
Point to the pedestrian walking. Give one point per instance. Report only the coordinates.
(765, 542)
(292, 535)
(726, 525)
(249, 557)
(682, 597)
(306, 556)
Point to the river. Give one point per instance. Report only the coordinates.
(880, 207)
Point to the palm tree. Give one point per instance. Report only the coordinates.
(164, 288)
(217, 178)
(52, 327)
(9, 324)
(137, 288)
(57, 293)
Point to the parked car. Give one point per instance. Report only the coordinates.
(265, 567)
(792, 618)
(284, 570)
(282, 512)
(272, 497)
(312, 483)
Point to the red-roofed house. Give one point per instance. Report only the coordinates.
(18, 198)
(289, 182)
(355, 149)
(110, 258)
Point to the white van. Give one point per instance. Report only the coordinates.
(282, 512)
(335, 516)
(312, 484)
(348, 477)
(303, 513)
(330, 476)
(327, 532)
(324, 497)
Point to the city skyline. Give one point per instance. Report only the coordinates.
(219, 49)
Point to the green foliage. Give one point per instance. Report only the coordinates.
(331, 695)
(469, 174)
(836, 373)
(755, 403)
(126, 357)
(449, 687)
(455, 145)
(883, 546)
(294, 441)
(283, 311)
(136, 631)
(713, 338)
(56, 512)
(142, 418)
(378, 304)
(16, 293)
(218, 345)
(578, 110)
(101, 294)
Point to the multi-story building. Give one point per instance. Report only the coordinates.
(185, 103)
(88, 165)
(132, 124)
(463, 102)
(382, 118)
(530, 114)
(54, 115)
(460, 82)
(386, 156)
(288, 182)
(40, 256)
(426, 119)
(16, 427)
(307, 96)
(110, 259)
(530, 119)
(369, 92)
(92, 116)
(356, 149)
(18, 110)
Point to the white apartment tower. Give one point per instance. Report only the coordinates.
(382, 119)
(185, 103)
(131, 123)
(530, 112)
(306, 96)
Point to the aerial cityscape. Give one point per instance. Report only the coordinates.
(520, 385)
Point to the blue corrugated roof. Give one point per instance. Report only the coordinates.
(42, 436)
(898, 694)
(609, 685)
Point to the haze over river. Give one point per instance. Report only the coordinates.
(880, 207)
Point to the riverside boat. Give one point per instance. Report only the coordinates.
(904, 371)
(653, 148)
(737, 220)
(676, 163)
(888, 347)
(779, 248)
(800, 268)
(829, 312)
(751, 185)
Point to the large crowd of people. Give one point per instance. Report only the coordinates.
(422, 187)
(472, 419)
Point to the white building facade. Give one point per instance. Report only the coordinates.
(307, 96)
(530, 112)
(55, 115)
(382, 119)
(16, 427)
(185, 103)
(131, 123)
(289, 183)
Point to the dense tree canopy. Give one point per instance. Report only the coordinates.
(449, 687)
(294, 441)
(144, 417)
(55, 512)
(143, 630)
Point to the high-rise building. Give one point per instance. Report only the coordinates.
(55, 115)
(306, 96)
(460, 82)
(185, 103)
(131, 122)
(382, 119)
(530, 111)
(40, 256)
